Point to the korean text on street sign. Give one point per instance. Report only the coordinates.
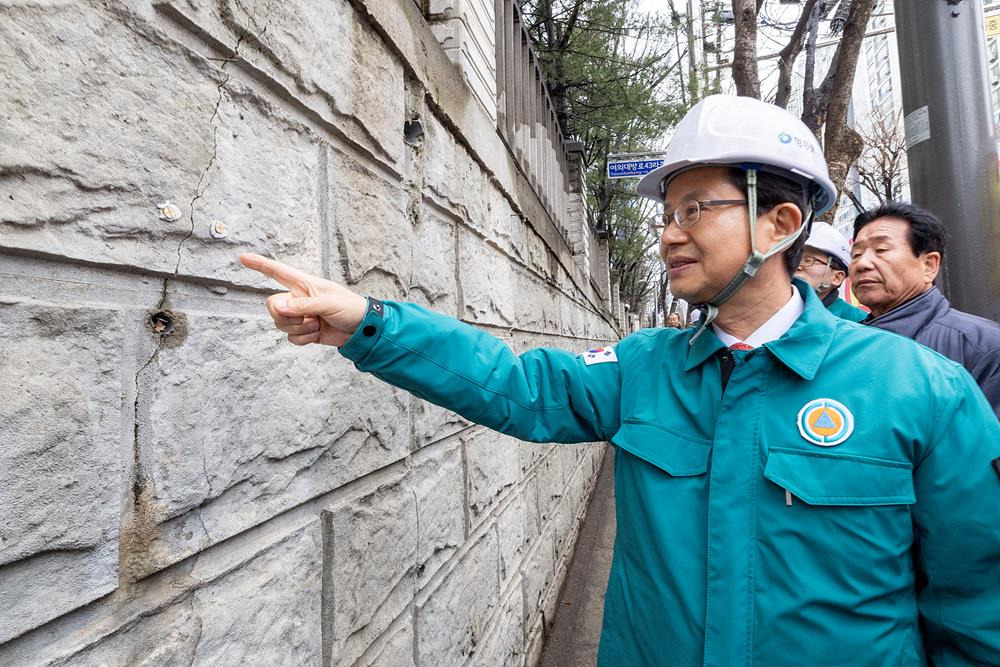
(632, 168)
(993, 25)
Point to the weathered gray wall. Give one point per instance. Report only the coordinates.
(215, 495)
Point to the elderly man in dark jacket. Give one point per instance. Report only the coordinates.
(895, 258)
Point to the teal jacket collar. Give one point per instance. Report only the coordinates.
(802, 348)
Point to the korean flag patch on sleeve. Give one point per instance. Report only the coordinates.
(599, 355)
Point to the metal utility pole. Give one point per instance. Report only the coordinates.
(692, 66)
(951, 144)
(675, 22)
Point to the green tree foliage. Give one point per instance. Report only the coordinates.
(612, 74)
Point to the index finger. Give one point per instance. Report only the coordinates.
(290, 277)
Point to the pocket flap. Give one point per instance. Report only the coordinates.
(827, 478)
(681, 457)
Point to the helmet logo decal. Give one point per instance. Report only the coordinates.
(798, 142)
(825, 422)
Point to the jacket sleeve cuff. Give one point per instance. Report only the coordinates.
(367, 334)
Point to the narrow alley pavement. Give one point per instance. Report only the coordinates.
(577, 628)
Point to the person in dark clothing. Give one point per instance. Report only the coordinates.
(897, 253)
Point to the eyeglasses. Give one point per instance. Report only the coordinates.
(810, 260)
(689, 213)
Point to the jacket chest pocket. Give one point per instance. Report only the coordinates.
(671, 453)
(844, 524)
(828, 478)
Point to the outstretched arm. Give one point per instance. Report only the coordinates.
(543, 395)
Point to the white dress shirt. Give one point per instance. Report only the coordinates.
(773, 329)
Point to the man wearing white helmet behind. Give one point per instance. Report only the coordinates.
(824, 265)
(775, 504)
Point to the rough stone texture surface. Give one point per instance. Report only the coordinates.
(492, 464)
(505, 646)
(373, 231)
(394, 650)
(265, 612)
(261, 182)
(455, 618)
(371, 556)
(232, 381)
(432, 281)
(60, 471)
(212, 494)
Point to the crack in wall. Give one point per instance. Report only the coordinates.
(199, 630)
(464, 454)
(199, 189)
(137, 533)
(141, 485)
(418, 567)
(414, 186)
(416, 633)
(197, 512)
(204, 468)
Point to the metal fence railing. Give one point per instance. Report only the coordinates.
(526, 116)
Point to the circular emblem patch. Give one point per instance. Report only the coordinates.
(825, 422)
(785, 138)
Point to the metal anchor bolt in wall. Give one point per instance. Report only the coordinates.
(218, 230)
(169, 211)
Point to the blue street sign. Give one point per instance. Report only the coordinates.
(632, 168)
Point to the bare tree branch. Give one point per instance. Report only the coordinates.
(813, 111)
(842, 144)
(854, 199)
(824, 103)
(788, 55)
(570, 25)
(881, 166)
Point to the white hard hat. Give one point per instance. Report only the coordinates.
(827, 239)
(745, 132)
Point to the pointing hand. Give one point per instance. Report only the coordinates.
(314, 310)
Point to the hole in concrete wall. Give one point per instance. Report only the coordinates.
(413, 132)
(162, 322)
(169, 326)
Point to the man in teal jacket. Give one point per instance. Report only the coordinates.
(816, 493)
(823, 265)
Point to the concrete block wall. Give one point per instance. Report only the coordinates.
(179, 484)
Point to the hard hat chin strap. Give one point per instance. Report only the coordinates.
(827, 281)
(753, 262)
